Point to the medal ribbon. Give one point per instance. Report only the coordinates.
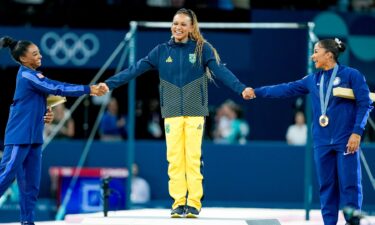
(324, 103)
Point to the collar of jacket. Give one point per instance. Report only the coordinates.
(29, 69)
(172, 43)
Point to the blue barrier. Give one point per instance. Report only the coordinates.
(259, 174)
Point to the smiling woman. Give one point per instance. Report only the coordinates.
(32, 58)
(24, 131)
(337, 125)
(185, 64)
(326, 53)
(181, 27)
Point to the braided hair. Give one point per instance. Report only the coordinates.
(197, 36)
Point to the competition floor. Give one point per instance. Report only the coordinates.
(209, 216)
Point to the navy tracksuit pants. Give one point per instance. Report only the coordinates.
(24, 163)
(339, 179)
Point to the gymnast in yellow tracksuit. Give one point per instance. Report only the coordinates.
(185, 64)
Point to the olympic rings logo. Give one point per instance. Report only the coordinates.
(70, 47)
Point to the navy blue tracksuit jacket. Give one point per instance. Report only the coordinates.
(24, 135)
(339, 175)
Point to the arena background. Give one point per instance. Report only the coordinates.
(257, 57)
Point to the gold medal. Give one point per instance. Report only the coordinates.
(323, 120)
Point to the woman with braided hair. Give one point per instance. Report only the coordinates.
(185, 63)
(337, 125)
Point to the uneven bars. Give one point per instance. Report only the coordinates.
(220, 25)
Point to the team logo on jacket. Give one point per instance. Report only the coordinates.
(192, 58)
(169, 60)
(40, 75)
(336, 81)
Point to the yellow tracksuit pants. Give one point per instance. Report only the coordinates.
(184, 141)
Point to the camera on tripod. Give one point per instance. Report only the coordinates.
(106, 194)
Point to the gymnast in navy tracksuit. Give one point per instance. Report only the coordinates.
(24, 132)
(337, 126)
(185, 64)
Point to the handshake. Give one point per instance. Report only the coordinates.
(248, 93)
(99, 89)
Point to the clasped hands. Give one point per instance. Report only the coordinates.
(99, 89)
(248, 93)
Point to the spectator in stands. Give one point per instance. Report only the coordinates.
(68, 128)
(185, 64)
(297, 132)
(166, 3)
(241, 4)
(230, 128)
(22, 157)
(338, 124)
(363, 5)
(158, 3)
(154, 122)
(113, 125)
(140, 192)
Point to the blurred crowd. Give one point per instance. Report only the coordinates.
(118, 13)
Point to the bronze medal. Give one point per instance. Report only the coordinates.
(323, 120)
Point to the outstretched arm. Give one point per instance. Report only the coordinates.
(143, 65)
(47, 86)
(285, 90)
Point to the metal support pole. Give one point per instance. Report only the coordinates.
(311, 38)
(131, 115)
